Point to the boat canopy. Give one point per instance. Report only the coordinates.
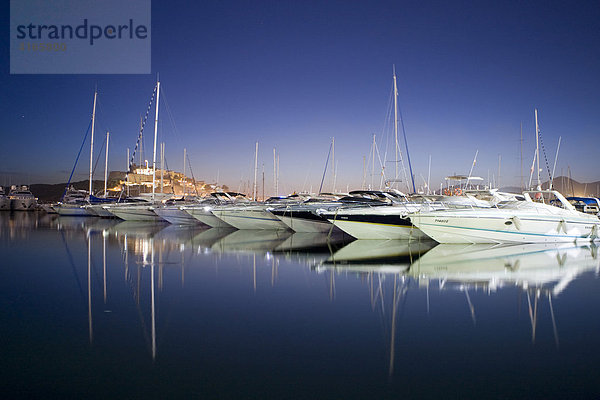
(586, 200)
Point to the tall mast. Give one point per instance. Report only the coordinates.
(364, 182)
(396, 122)
(162, 166)
(184, 180)
(499, 161)
(373, 166)
(106, 164)
(333, 162)
(275, 173)
(92, 141)
(255, 170)
(128, 167)
(429, 174)
(141, 141)
(537, 151)
(155, 136)
(521, 141)
(334, 176)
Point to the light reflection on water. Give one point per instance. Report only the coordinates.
(227, 313)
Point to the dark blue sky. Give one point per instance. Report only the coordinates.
(294, 74)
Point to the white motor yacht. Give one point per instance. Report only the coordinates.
(135, 211)
(513, 221)
(379, 215)
(203, 212)
(389, 219)
(21, 199)
(255, 215)
(173, 213)
(249, 216)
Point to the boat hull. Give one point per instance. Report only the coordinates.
(4, 203)
(304, 221)
(135, 213)
(72, 210)
(23, 204)
(250, 219)
(176, 216)
(375, 223)
(99, 210)
(504, 228)
(206, 217)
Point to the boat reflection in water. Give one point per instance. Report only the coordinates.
(495, 266)
(390, 255)
(540, 271)
(208, 304)
(251, 241)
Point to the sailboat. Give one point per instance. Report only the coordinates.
(74, 201)
(142, 212)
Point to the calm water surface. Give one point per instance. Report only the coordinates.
(93, 308)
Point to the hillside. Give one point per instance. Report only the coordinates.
(568, 187)
(47, 193)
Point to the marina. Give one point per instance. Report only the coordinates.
(300, 200)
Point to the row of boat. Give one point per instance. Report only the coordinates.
(475, 216)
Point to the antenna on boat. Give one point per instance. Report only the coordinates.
(472, 166)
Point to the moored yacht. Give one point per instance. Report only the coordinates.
(173, 213)
(203, 212)
(4, 200)
(21, 199)
(379, 215)
(255, 215)
(510, 222)
(304, 217)
(141, 211)
(73, 203)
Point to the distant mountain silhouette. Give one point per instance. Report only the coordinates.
(567, 186)
(47, 193)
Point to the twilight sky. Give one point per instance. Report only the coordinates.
(292, 75)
